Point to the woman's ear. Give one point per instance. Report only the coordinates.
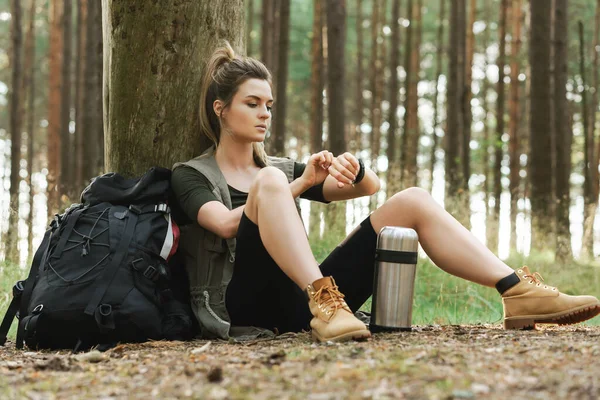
(218, 107)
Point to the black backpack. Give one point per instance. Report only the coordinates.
(101, 274)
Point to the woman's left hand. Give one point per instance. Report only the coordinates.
(344, 169)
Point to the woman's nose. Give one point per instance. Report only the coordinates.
(264, 113)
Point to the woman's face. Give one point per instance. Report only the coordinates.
(248, 117)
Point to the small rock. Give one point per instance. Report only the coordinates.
(93, 356)
(462, 394)
(480, 388)
(202, 349)
(215, 374)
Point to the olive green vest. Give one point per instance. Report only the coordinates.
(209, 259)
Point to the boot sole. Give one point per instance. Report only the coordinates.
(356, 335)
(572, 316)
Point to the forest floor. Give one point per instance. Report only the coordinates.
(437, 362)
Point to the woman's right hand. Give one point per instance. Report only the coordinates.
(317, 168)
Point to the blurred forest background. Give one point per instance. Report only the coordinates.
(491, 105)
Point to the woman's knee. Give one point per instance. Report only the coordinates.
(269, 179)
(411, 196)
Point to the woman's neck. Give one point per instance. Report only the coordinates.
(235, 156)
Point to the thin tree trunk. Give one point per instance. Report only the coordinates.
(410, 139)
(498, 151)
(30, 93)
(266, 39)
(360, 103)
(563, 131)
(375, 69)
(438, 73)
(336, 41)
(594, 111)
(16, 119)
(588, 184)
(540, 154)
(249, 26)
(80, 93)
(393, 172)
(513, 126)
(317, 81)
(93, 123)
(282, 74)
(490, 230)
(55, 63)
(456, 80)
(154, 53)
(65, 189)
(468, 113)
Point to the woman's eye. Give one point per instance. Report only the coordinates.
(252, 105)
(269, 108)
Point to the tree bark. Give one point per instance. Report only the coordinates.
(513, 125)
(54, 129)
(249, 26)
(438, 73)
(267, 30)
(356, 141)
(155, 52)
(80, 93)
(93, 123)
(410, 139)
(456, 80)
(491, 231)
(393, 172)
(66, 169)
(375, 109)
(317, 81)
(16, 119)
(500, 109)
(563, 131)
(468, 114)
(588, 184)
(279, 114)
(29, 92)
(540, 153)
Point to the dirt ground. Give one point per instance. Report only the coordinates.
(435, 362)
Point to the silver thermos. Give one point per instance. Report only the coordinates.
(394, 280)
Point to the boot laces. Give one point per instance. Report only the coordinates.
(536, 278)
(329, 299)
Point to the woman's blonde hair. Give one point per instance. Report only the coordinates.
(225, 72)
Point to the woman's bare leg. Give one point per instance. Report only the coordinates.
(449, 244)
(271, 206)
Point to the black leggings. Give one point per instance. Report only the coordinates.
(261, 294)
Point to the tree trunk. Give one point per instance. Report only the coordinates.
(540, 154)
(29, 92)
(155, 52)
(16, 119)
(80, 93)
(55, 63)
(267, 30)
(438, 73)
(410, 139)
(588, 184)
(513, 125)
(356, 141)
(393, 172)
(249, 26)
(500, 109)
(468, 113)
(456, 80)
(336, 41)
(375, 110)
(93, 123)
(317, 81)
(279, 114)
(563, 132)
(66, 169)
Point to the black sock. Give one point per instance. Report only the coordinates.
(507, 282)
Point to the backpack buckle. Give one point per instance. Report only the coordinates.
(18, 289)
(151, 273)
(162, 207)
(135, 209)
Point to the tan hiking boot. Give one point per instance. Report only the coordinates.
(333, 320)
(532, 302)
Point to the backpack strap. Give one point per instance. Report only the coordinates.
(11, 312)
(39, 259)
(120, 254)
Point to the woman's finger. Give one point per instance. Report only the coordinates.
(352, 160)
(340, 176)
